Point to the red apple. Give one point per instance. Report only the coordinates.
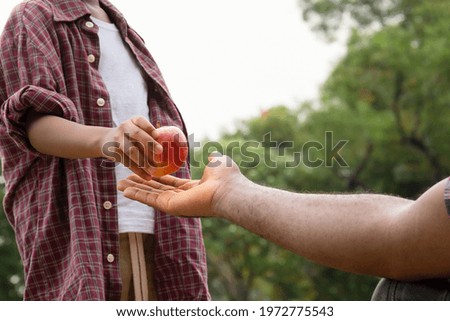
(175, 151)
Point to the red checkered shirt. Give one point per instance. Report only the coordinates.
(63, 211)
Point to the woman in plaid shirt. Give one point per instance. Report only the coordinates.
(60, 142)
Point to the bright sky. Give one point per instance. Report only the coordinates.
(228, 60)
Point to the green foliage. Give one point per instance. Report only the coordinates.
(382, 125)
(387, 103)
(242, 266)
(402, 71)
(328, 16)
(11, 279)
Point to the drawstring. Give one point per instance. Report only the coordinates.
(138, 267)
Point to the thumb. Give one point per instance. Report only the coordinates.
(214, 156)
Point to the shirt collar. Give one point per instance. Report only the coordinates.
(71, 10)
(68, 10)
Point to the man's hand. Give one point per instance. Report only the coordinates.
(186, 197)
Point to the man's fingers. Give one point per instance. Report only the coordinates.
(214, 155)
(137, 179)
(172, 180)
(138, 182)
(170, 199)
(143, 196)
(160, 186)
(166, 180)
(153, 197)
(123, 184)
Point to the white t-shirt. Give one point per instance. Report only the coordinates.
(128, 96)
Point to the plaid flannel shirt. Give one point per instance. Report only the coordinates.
(63, 211)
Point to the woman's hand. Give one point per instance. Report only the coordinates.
(132, 144)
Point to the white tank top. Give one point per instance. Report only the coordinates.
(128, 97)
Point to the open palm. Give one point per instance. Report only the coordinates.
(184, 197)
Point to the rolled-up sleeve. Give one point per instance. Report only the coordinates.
(29, 77)
(15, 108)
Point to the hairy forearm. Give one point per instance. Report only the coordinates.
(368, 234)
(59, 137)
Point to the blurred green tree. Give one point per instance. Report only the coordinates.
(11, 279)
(381, 125)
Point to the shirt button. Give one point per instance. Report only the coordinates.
(89, 24)
(91, 58)
(107, 205)
(110, 258)
(101, 102)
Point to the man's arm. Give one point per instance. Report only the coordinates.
(368, 234)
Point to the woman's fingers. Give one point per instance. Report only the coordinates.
(136, 147)
(145, 136)
(135, 168)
